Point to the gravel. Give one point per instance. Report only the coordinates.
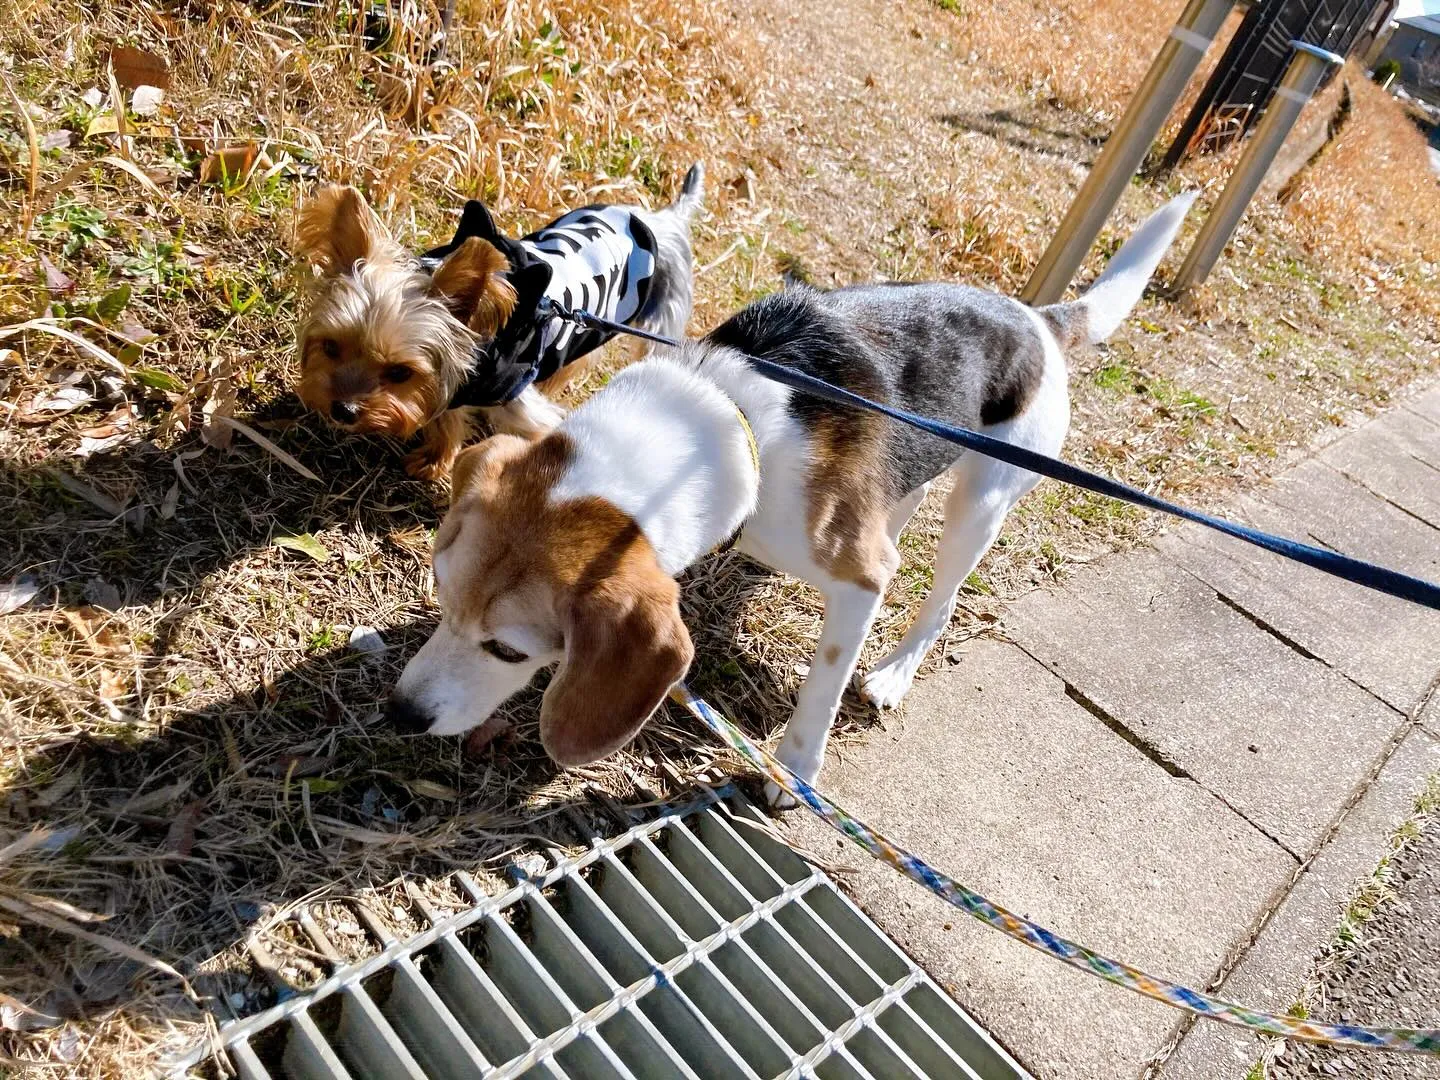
(1392, 979)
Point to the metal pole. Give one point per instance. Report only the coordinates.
(1306, 68)
(1125, 149)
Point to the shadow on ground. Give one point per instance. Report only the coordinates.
(194, 748)
(1026, 133)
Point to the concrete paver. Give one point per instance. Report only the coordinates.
(1276, 966)
(1001, 780)
(1397, 458)
(1280, 737)
(1387, 645)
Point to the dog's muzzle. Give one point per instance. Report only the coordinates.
(406, 717)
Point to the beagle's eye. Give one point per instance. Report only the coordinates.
(396, 373)
(501, 651)
(331, 348)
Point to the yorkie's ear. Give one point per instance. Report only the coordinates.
(472, 282)
(337, 228)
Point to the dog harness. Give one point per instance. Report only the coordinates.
(598, 259)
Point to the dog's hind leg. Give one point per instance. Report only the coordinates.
(985, 491)
(849, 612)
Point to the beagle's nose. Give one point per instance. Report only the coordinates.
(405, 717)
(344, 412)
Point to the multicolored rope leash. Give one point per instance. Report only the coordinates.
(1417, 1040)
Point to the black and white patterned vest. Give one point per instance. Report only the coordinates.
(599, 259)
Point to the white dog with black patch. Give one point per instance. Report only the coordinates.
(564, 549)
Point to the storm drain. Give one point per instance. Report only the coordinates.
(693, 945)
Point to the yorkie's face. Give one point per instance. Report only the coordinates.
(385, 346)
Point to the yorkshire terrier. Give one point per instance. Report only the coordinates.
(395, 343)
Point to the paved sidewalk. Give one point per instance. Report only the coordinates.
(1186, 759)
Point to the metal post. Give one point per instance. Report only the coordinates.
(1307, 67)
(1125, 149)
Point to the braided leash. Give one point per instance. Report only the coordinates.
(1415, 1040)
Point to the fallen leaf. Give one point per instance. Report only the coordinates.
(367, 639)
(306, 545)
(171, 501)
(233, 165)
(15, 1015)
(181, 837)
(114, 302)
(118, 421)
(136, 334)
(93, 97)
(93, 626)
(152, 800)
(135, 68)
(431, 790)
(146, 100)
(17, 593)
(157, 379)
(218, 407)
(101, 594)
(56, 282)
(55, 404)
(113, 687)
(91, 445)
(103, 124)
(57, 140)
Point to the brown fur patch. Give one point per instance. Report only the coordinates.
(582, 570)
(472, 281)
(393, 394)
(337, 228)
(848, 508)
(444, 436)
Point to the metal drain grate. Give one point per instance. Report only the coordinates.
(693, 945)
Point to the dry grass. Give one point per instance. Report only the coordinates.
(189, 746)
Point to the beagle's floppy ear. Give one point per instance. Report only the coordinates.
(472, 283)
(625, 646)
(337, 228)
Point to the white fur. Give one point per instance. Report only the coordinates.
(667, 447)
(1116, 291)
(453, 680)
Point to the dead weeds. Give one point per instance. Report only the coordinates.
(192, 769)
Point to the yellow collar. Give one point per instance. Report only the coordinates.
(749, 438)
(729, 542)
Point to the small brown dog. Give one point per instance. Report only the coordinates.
(396, 343)
(386, 345)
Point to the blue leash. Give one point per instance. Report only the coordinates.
(1380, 578)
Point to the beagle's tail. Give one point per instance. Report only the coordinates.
(1104, 306)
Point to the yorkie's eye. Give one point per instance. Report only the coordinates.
(501, 651)
(396, 373)
(331, 348)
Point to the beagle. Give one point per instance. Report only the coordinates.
(565, 549)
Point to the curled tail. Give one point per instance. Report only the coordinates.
(692, 192)
(1107, 302)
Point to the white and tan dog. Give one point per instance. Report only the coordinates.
(565, 549)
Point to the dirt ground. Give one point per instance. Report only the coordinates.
(190, 745)
(1393, 972)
